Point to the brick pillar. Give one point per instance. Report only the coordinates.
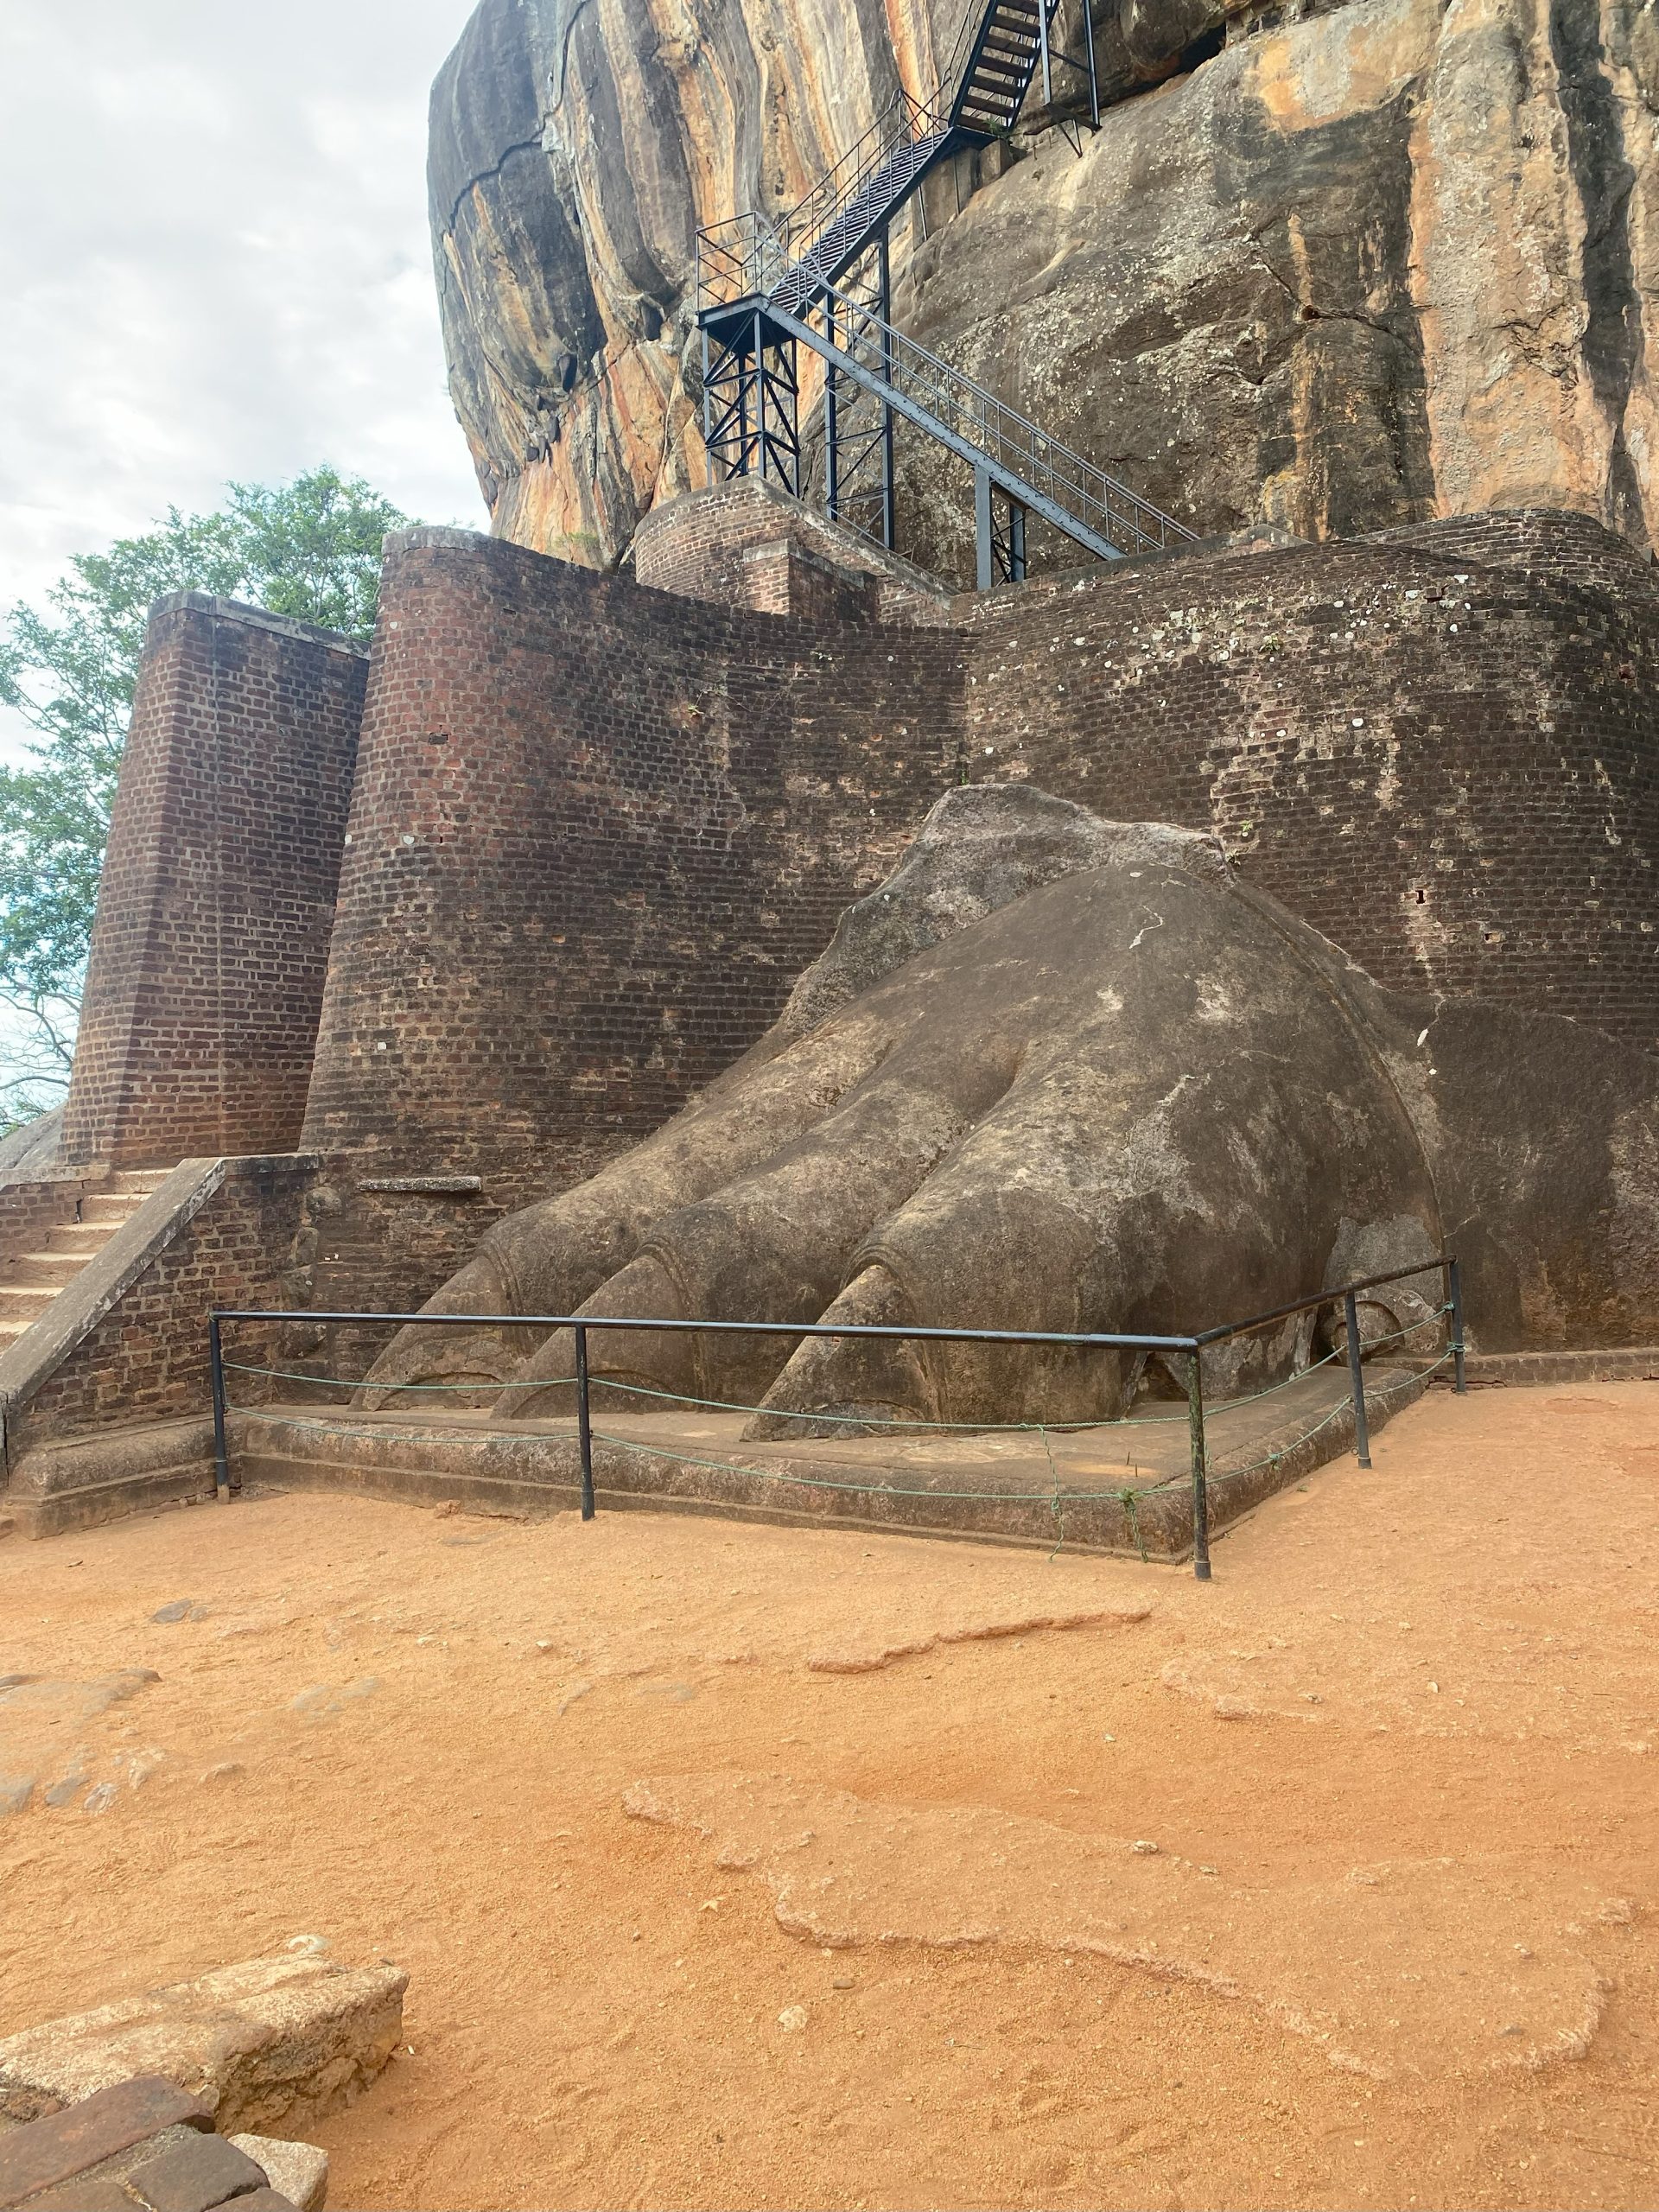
(212, 938)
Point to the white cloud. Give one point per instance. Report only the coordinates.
(215, 263)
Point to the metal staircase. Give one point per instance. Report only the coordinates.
(820, 277)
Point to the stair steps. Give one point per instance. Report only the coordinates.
(31, 1282)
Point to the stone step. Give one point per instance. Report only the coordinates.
(25, 1301)
(81, 1237)
(46, 1270)
(114, 1208)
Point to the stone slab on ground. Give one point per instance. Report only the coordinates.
(298, 2172)
(194, 2176)
(84, 2196)
(53, 2145)
(290, 2038)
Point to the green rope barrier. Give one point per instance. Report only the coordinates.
(1130, 1501)
(338, 1382)
(1384, 1390)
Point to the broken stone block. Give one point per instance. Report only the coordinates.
(194, 2176)
(298, 2172)
(286, 2038)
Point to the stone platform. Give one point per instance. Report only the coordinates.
(1123, 1487)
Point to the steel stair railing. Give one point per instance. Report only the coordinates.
(762, 286)
(827, 229)
(1090, 508)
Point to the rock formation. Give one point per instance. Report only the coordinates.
(1063, 1074)
(1330, 264)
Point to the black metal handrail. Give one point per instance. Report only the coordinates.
(1049, 473)
(1193, 1343)
(890, 154)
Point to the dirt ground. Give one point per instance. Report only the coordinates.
(748, 1866)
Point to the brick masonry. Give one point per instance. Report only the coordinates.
(597, 831)
(1448, 764)
(217, 901)
(749, 545)
(597, 828)
(146, 1359)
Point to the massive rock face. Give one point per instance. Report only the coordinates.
(1394, 259)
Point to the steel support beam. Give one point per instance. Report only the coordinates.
(894, 396)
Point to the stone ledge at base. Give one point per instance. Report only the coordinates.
(89, 1480)
(1622, 1364)
(975, 1488)
(289, 2038)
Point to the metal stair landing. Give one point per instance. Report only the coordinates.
(820, 277)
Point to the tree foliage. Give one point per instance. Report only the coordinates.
(309, 548)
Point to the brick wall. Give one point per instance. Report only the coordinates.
(1450, 767)
(596, 833)
(745, 543)
(598, 830)
(217, 901)
(1546, 542)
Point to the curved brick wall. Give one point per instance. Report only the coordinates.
(597, 831)
(1449, 765)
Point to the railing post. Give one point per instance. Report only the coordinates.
(1200, 1470)
(1357, 1380)
(889, 512)
(1089, 49)
(831, 418)
(984, 554)
(1042, 37)
(584, 1431)
(216, 1375)
(760, 396)
(1455, 1299)
(708, 414)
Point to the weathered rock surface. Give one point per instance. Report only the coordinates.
(1409, 1966)
(291, 2037)
(35, 1149)
(1392, 260)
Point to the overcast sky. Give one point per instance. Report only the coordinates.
(215, 262)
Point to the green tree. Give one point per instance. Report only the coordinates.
(310, 549)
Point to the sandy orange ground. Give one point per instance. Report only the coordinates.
(692, 1921)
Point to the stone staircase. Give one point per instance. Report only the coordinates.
(30, 1281)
